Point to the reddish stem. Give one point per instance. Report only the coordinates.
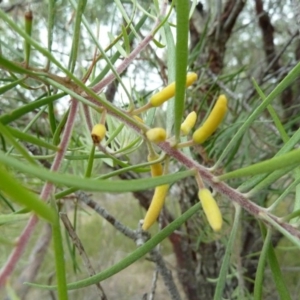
(23, 239)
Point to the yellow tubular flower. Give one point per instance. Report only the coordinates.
(156, 135)
(188, 123)
(156, 169)
(156, 206)
(169, 91)
(98, 133)
(212, 122)
(211, 209)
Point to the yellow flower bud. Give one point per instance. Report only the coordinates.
(211, 209)
(212, 122)
(156, 206)
(156, 169)
(188, 123)
(169, 91)
(156, 135)
(98, 133)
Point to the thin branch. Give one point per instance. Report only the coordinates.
(165, 273)
(82, 196)
(234, 12)
(139, 237)
(279, 73)
(82, 253)
(153, 285)
(267, 30)
(131, 57)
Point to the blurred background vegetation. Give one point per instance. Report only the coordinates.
(231, 44)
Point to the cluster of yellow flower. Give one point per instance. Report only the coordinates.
(158, 135)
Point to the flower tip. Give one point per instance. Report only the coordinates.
(98, 133)
(156, 135)
(188, 123)
(212, 122)
(222, 98)
(211, 209)
(191, 78)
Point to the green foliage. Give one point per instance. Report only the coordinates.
(98, 61)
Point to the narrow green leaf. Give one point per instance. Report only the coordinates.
(19, 112)
(59, 128)
(76, 34)
(136, 168)
(28, 28)
(126, 40)
(51, 117)
(278, 277)
(290, 189)
(10, 86)
(252, 182)
(114, 186)
(226, 259)
(294, 239)
(283, 161)
(89, 168)
(31, 139)
(121, 9)
(182, 31)
(171, 57)
(19, 194)
(7, 134)
(116, 56)
(276, 272)
(51, 22)
(13, 218)
(273, 114)
(105, 57)
(132, 257)
(59, 257)
(259, 278)
(270, 178)
(158, 44)
(6, 201)
(118, 45)
(115, 132)
(12, 67)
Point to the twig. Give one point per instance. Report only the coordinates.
(139, 237)
(130, 58)
(165, 273)
(155, 274)
(82, 196)
(153, 285)
(81, 251)
(235, 11)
